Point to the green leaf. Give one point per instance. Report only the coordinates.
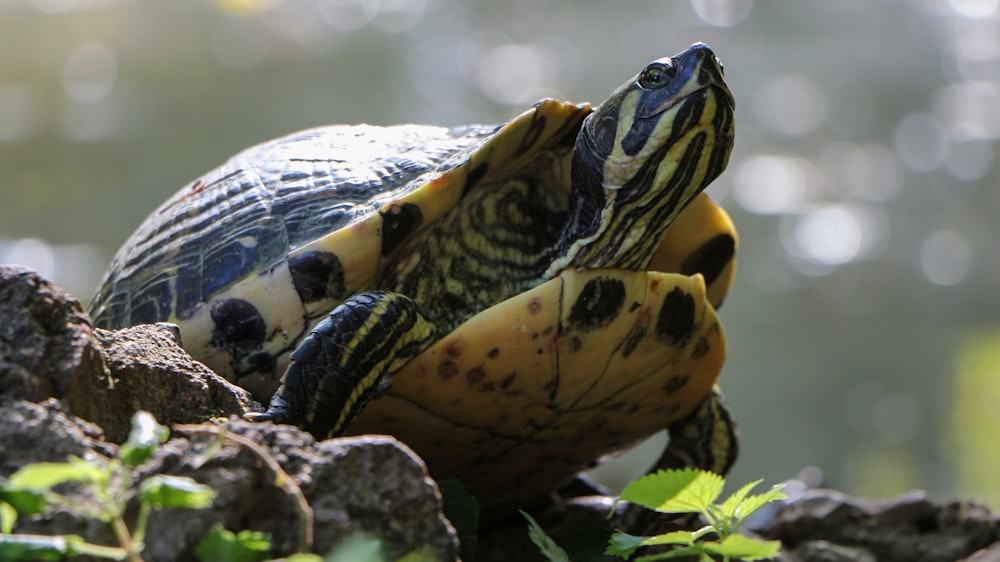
(548, 547)
(673, 537)
(686, 552)
(8, 516)
(32, 547)
(728, 509)
(743, 547)
(675, 491)
(753, 503)
(145, 437)
(23, 502)
(623, 544)
(462, 510)
(163, 490)
(222, 545)
(43, 476)
(304, 557)
(40, 547)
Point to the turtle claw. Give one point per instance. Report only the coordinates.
(277, 412)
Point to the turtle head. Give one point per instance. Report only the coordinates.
(643, 154)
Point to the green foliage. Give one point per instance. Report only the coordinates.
(224, 545)
(548, 547)
(680, 492)
(695, 491)
(162, 491)
(32, 489)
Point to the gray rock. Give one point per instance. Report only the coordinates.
(49, 349)
(991, 554)
(908, 528)
(45, 336)
(270, 478)
(144, 368)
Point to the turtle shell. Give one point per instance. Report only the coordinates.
(245, 259)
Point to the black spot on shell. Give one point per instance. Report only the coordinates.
(711, 258)
(492, 354)
(475, 375)
(508, 380)
(633, 340)
(239, 327)
(475, 175)
(317, 275)
(676, 320)
(599, 302)
(399, 221)
(675, 383)
(701, 348)
(447, 370)
(262, 362)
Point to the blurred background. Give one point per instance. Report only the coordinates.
(864, 324)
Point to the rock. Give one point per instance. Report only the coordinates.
(146, 369)
(991, 554)
(908, 528)
(45, 337)
(44, 432)
(266, 477)
(49, 349)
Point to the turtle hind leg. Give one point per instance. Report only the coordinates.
(346, 360)
(706, 439)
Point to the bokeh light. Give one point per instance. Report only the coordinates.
(945, 258)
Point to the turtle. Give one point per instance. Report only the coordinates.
(514, 301)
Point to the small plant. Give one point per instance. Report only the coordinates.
(30, 490)
(681, 492)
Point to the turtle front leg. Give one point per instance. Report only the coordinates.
(706, 439)
(346, 359)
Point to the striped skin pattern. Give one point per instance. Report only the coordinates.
(513, 302)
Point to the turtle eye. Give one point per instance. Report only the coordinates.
(656, 75)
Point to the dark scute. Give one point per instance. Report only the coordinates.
(188, 288)
(228, 264)
(599, 302)
(152, 302)
(711, 258)
(676, 319)
(114, 312)
(317, 275)
(399, 221)
(475, 175)
(239, 328)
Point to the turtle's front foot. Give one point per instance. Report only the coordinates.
(277, 411)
